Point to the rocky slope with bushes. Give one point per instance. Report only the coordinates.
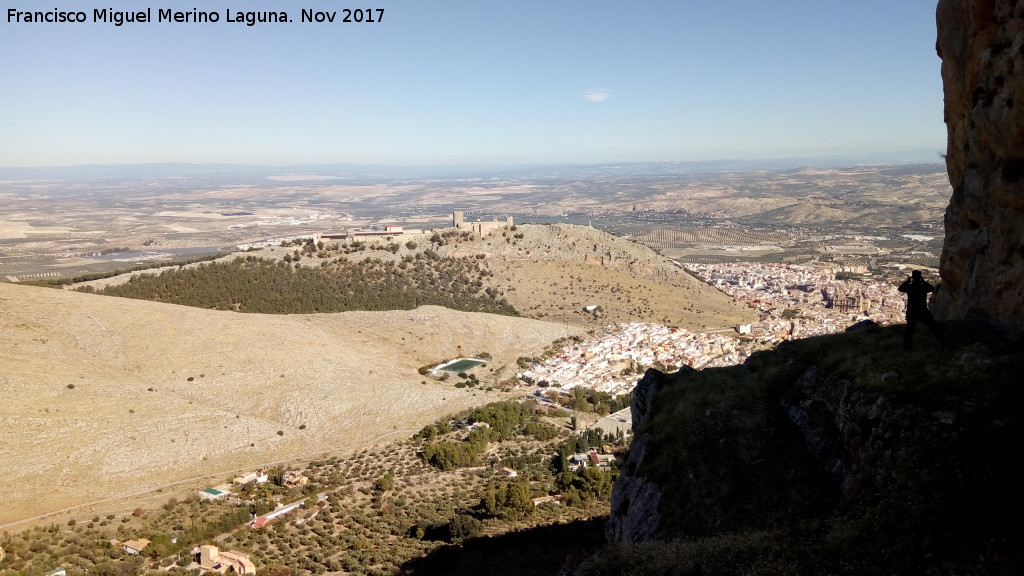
(837, 454)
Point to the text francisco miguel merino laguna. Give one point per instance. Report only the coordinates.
(249, 18)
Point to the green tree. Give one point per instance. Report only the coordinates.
(427, 432)
(490, 503)
(465, 526)
(518, 503)
(385, 482)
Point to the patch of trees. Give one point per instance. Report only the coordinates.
(450, 237)
(507, 420)
(525, 362)
(449, 455)
(251, 284)
(213, 525)
(589, 400)
(507, 500)
(587, 482)
(587, 439)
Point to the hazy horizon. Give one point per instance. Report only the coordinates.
(723, 164)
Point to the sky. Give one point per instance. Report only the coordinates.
(451, 82)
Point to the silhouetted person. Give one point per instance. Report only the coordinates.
(917, 291)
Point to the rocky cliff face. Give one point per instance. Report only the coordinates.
(858, 437)
(981, 43)
(635, 500)
(834, 443)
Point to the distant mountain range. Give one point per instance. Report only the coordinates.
(364, 172)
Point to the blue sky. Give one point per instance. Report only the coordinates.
(473, 82)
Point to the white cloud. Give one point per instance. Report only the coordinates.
(598, 95)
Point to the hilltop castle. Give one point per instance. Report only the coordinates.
(479, 228)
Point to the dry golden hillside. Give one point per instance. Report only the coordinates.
(105, 397)
(550, 272)
(555, 271)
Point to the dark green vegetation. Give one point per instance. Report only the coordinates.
(838, 455)
(587, 400)
(500, 421)
(252, 284)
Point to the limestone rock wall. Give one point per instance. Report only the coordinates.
(860, 438)
(634, 513)
(981, 44)
(635, 499)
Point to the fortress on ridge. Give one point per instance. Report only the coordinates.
(458, 222)
(479, 228)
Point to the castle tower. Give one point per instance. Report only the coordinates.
(458, 218)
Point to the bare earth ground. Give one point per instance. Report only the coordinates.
(263, 388)
(555, 271)
(561, 291)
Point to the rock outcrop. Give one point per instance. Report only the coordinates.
(981, 44)
(635, 500)
(829, 443)
(858, 437)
